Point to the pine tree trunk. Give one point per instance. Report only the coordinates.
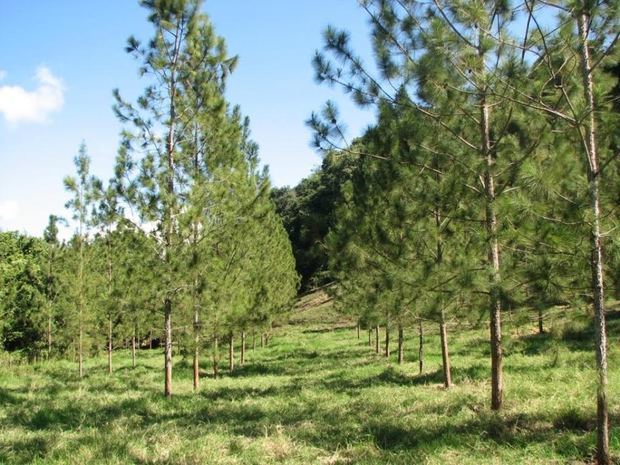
(196, 363)
(253, 341)
(387, 341)
(242, 357)
(80, 357)
(401, 345)
(133, 350)
(357, 327)
(231, 353)
(377, 339)
(421, 347)
(168, 347)
(216, 357)
(110, 346)
(596, 262)
(497, 383)
(541, 328)
(49, 335)
(445, 355)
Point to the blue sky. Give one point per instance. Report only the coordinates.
(62, 59)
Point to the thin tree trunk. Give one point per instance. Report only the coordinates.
(377, 339)
(216, 357)
(596, 262)
(49, 334)
(110, 346)
(401, 345)
(242, 357)
(357, 327)
(387, 341)
(541, 328)
(231, 353)
(133, 350)
(253, 341)
(495, 306)
(196, 350)
(168, 347)
(421, 346)
(151, 339)
(369, 337)
(445, 355)
(80, 357)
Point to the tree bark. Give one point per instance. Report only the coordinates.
(168, 347)
(242, 357)
(445, 355)
(387, 341)
(133, 350)
(377, 339)
(110, 346)
(401, 345)
(231, 353)
(216, 357)
(495, 306)
(80, 357)
(49, 334)
(357, 327)
(596, 261)
(253, 341)
(421, 347)
(541, 327)
(196, 363)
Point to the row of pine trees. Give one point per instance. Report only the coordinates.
(182, 246)
(490, 177)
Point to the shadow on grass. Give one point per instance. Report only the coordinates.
(325, 411)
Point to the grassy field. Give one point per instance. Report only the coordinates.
(318, 395)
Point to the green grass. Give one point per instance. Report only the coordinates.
(317, 396)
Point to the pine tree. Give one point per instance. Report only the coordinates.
(82, 189)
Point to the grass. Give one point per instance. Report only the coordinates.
(318, 396)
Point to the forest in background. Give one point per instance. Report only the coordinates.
(488, 182)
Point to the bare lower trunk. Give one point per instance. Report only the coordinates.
(445, 355)
(196, 363)
(253, 341)
(49, 335)
(168, 348)
(133, 351)
(377, 339)
(541, 327)
(242, 358)
(421, 347)
(401, 345)
(497, 383)
(80, 356)
(357, 327)
(150, 339)
(387, 341)
(231, 353)
(216, 357)
(596, 260)
(110, 346)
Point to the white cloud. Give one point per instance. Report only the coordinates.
(8, 211)
(19, 105)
